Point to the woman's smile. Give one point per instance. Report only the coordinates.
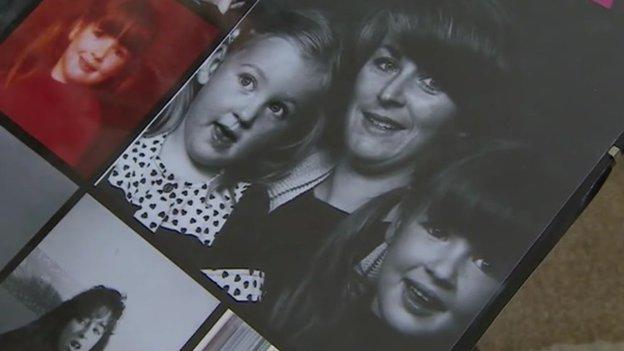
(378, 124)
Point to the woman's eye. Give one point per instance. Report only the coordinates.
(430, 85)
(278, 109)
(247, 81)
(435, 231)
(97, 331)
(386, 64)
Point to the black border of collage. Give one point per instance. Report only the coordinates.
(546, 241)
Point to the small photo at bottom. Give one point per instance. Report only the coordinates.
(93, 284)
(231, 333)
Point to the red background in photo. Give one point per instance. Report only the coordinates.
(181, 38)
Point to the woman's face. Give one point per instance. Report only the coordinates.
(396, 108)
(92, 57)
(83, 333)
(252, 99)
(432, 283)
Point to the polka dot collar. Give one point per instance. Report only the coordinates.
(166, 201)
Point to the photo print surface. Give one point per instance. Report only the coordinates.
(366, 175)
(81, 79)
(93, 284)
(233, 334)
(33, 191)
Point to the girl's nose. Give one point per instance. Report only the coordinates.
(247, 113)
(103, 47)
(444, 269)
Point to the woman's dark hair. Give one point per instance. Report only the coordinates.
(132, 22)
(47, 329)
(462, 44)
(498, 198)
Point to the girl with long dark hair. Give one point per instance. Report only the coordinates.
(450, 244)
(85, 322)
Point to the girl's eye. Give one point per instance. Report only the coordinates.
(98, 32)
(121, 52)
(247, 81)
(483, 265)
(386, 64)
(278, 109)
(430, 85)
(435, 231)
(97, 331)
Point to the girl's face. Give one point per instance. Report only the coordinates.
(252, 99)
(92, 57)
(83, 333)
(432, 283)
(396, 108)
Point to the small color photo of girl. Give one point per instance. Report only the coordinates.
(90, 74)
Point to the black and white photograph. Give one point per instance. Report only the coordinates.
(223, 13)
(33, 190)
(366, 175)
(231, 333)
(93, 284)
(166, 180)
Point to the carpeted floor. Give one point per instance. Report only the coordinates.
(575, 300)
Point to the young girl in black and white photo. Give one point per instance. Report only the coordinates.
(84, 322)
(253, 120)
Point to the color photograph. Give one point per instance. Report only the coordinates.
(80, 76)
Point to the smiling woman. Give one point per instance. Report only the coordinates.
(85, 323)
(419, 85)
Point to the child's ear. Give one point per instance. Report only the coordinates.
(203, 75)
(75, 29)
(209, 67)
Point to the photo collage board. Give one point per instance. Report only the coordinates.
(294, 175)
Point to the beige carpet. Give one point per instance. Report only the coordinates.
(597, 346)
(575, 300)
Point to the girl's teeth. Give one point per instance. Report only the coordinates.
(382, 125)
(418, 293)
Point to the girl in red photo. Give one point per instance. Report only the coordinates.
(54, 87)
